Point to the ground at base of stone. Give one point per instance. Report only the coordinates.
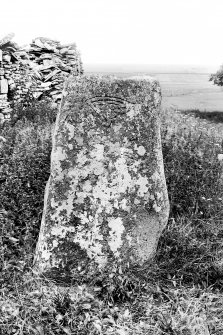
(49, 308)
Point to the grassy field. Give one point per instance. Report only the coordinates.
(190, 91)
(186, 90)
(180, 294)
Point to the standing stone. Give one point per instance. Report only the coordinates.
(106, 199)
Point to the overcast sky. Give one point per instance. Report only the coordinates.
(123, 31)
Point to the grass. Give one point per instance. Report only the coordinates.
(214, 116)
(181, 294)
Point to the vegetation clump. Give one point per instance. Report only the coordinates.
(24, 170)
(217, 77)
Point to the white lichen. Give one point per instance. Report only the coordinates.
(115, 234)
(71, 130)
(57, 157)
(98, 151)
(142, 182)
(156, 207)
(79, 140)
(61, 231)
(132, 110)
(141, 150)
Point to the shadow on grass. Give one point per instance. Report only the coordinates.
(215, 116)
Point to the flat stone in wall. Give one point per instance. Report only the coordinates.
(106, 200)
(3, 86)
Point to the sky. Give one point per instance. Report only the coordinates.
(123, 31)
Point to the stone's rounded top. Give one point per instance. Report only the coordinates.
(113, 78)
(134, 89)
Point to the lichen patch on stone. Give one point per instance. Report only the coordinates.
(115, 235)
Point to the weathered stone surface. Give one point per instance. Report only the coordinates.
(106, 199)
(7, 58)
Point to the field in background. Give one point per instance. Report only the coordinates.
(190, 91)
(183, 88)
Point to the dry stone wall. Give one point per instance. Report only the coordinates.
(35, 71)
(106, 200)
